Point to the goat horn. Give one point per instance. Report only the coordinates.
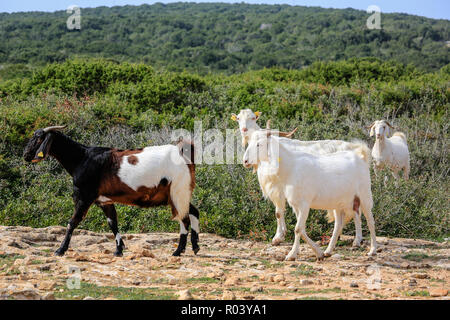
(48, 129)
(389, 124)
(368, 127)
(287, 134)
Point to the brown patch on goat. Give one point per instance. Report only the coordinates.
(356, 203)
(133, 160)
(113, 188)
(278, 215)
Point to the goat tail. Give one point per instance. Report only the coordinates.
(400, 134)
(362, 150)
(186, 149)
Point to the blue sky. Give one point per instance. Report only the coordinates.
(438, 9)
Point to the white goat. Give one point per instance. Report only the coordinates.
(391, 152)
(338, 181)
(247, 125)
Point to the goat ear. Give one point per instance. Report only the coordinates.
(43, 149)
(258, 114)
(233, 117)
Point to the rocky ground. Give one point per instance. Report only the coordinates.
(223, 269)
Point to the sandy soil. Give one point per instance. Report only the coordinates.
(223, 269)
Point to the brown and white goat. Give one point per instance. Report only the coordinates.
(148, 177)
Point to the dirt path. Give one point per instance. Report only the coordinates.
(223, 269)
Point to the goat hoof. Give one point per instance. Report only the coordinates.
(118, 254)
(326, 255)
(276, 241)
(372, 253)
(177, 253)
(59, 252)
(196, 250)
(356, 244)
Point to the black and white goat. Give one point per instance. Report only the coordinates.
(148, 177)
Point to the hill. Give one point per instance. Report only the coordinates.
(217, 37)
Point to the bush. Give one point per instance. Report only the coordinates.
(132, 106)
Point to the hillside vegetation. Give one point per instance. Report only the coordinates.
(218, 37)
(130, 105)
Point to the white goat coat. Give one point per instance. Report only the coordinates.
(329, 181)
(391, 151)
(155, 163)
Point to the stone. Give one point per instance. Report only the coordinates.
(231, 281)
(306, 282)
(336, 256)
(88, 298)
(228, 295)
(438, 292)
(47, 285)
(279, 278)
(48, 296)
(185, 295)
(353, 284)
(256, 289)
(420, 276)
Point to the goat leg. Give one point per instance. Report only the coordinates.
(111, 215)
(81, 208)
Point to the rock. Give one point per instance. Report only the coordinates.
(438, 292)
(353, 284)
(47, 285)
(420, 276)
(18, 244)
(173, 281)
(305, 282)
(18, 262)
(256, 289)
(147, 253)
(405, 265)
(231, 281)
(279, 278)
(249, 297)
(48, 296)
(80, 257)
(184, 295)
(174, 259)
(412, 282)
(279, 257)
(282, 283)
(24, 294)
(336, 256)
(293, 288)
(88, 298)
(44, 267)
(228, 295)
